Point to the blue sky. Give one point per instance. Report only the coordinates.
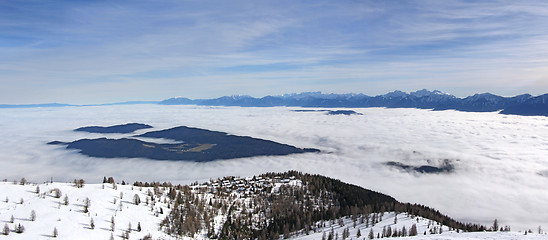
(109, 51)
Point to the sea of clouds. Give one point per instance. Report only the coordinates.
(501, 162)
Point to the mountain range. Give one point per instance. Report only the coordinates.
(524, 104)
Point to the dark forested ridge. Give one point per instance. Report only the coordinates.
(123, 128)
(196, 145)
(281, 204)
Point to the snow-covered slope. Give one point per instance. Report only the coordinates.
(70, 220)
(426, 229)
(117, 202)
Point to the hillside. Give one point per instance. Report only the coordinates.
(271, 206)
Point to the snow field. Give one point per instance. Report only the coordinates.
(70, 220)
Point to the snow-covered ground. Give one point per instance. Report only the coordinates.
(70, 220)
(425, 230)
(501, 168)
(72, 223)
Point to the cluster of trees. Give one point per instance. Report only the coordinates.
(292, 209)
(189, 213)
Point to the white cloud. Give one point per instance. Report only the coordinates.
(500, 160)
(374, 45)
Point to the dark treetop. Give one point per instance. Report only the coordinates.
(124, 128)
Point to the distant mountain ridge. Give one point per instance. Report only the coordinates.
(524, 104)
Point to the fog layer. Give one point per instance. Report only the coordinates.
(501, 163)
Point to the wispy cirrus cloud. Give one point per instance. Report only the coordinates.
(75, 45)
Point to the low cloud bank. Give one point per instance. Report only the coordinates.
(499, 161)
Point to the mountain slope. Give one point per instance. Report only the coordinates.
(270, 206)
(520, 105)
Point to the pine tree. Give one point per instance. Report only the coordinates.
(56, 193)
(495, 225)
(86, 205)
(129, 227)
(358, 234)
(65, 200)
(413, 230)
(32, 216)
(138, 226)
(136, 199)
(55, 233)
(37, 190)
(112, 225)
(19, 228)
(371, 234)
(91, 224)
(12, 219)
(6, 230)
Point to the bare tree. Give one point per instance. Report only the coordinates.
(495, 225)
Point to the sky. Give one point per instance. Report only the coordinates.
(87, 52)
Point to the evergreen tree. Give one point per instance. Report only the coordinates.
(358, 234)
(19, 228)
(136, 199)
(91, 224)
(371, 234)
(6, 230)
(56, 193)
(495, 225)
(87, 203)
(413, 230)
(66, 200)
(32, 216)
(138, 226)
(55, 233)
(112, 226)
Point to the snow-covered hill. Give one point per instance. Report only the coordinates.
(60, 207)
(105, 204)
